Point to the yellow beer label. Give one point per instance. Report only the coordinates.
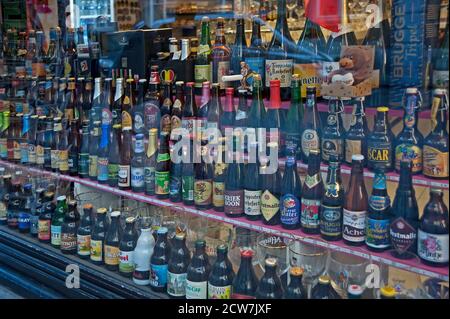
(203, 192)
(218, 194)
(112, 255)
(310, 75)
(411, 153)
(435, 162)
(96, 250)
(64, 160)
(270, 205)
(84, 245)
(68, 114)
(126, 119)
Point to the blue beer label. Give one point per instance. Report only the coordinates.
(24, 220)
(379, 203)
(137, 177)
(289, 210)
(377, 233)
(102, 169)
(174, 185)
(379, 181)
(330, 220)
(158, 275)
(256, 65)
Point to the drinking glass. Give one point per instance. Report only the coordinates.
(312, 258)
(243, 239)
(91, 197)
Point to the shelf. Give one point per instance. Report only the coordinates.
(434, 272)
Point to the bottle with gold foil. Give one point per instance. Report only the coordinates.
(128, 103)
(94, 141)
(150, 162)
(436, 145)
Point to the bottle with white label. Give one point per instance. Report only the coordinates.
(222, 275)
(177, 269)
(142, 255)
(198, 273)
(355, 205)
(137, 166)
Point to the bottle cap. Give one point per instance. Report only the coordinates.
(130, 220)
(382, 109)
(102, 210)
(140, 136)
(180, 236)
(222, 248)
(357, 157)
(296, 271)
(115, 214)
(314, 152)
(229, 91)
(141, 81)
(388, 291)
(200, 243)
(324, 279)
(153, 131)
(440, 91)
(271, 262)
(275, 83)
(247, 253)
(355, 290)
(28, 186)
(205, 19)
(87, 206)
(162, 230)
(61, 198)
(411, 90)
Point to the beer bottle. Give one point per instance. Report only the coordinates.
(311, 127)
(403, 228)
(114, 156)
(137, 165)
(295, 289)
(257, 112)
(255, 55)
(70, 110)
(332, 202)
(152, 101)
(292, 122)
(220, 55)
(79, 100)
(409, 142)
(57, 135)
(323, 289)
(159, 262)
(272, 120)
(380, 142)
(35, 212)
(177, 107)
(202, 68)
(270, 284)
(245, 282)
(5, 189)
(4, 135)
(440, 67)
(69, 229)
(127, 245)
(98, 237)
(74, 148)
(189, 117)
(379, 215)
(198, 273)
(218, 199)
(333, 133)
(202, 113)
(58, 220)
(84, 232)
(291, 192)
(14, 204)
(94, 140)
(203, 182)
(252, 185)
(355, 205)
(166, 108)
(175, 180)
(228, 116)
(214, 109)
(96, 107)
(150, 162)
(432, 236)
(112, 241)
(124, 173)
(271, 190)
(279, 59)
(142, 254)
(10, 137)
(87, 99)
(234, 190)
(117, 103)
(138, 109)
(162, 168)
(187, 180)
(83, 155)
(238, 48)
(241, 119)
(128, 103)
(32, 140)
(63, 152)
(221, 276)
(312, 193)
(28, 205)
(435, 146)
(45, 218)
(177, 269)
(24, 139)
(355, 138)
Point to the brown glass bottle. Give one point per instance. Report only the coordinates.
(162, 169)
(125, 160)
(203, 182)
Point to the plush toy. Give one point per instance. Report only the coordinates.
(354, 67)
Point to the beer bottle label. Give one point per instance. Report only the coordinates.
(47, 156)
(203, 192)
(310, 213)
(379, 203)
(158, 275)
(23, 221)
(162, 180)
(3, 148)
(112, 255)
(149, 177)
(176, 284)
(270, 205)
(332, 146)
(165, 123)
(219, 292)
(73, 162)
(34, 223)
(188, 124)
(175, 185)
(289, 210)
(68, 241)
(432, 247)
(96, 250)
(440, 79)
(311, 75)
(279, 70)
(175, 121)
(138, 122)
(377, 233)
(102, 169)
(137, 177)
(56, 235)
(31, 156)
(218, 194)
(411, 153)
(293, 141)
(151, 114)
(54, 159)
(44, 229)
(310, 140)
(256, 64)
(252, 202)
(124, 176)
(196, 290)
(330, 221)
(379, 152)
(435, 162)
(16, 150)
(223, 68)
(403, 236)
(84, 245)
(63, 161)
(234, 202)
(93, 159)
(312, 181)
(126, 119)
(126, 261)
(39, 155)
(202, 73)
(352, 147)
(187, 186)
(354, 225)
(24, 153)
(113, 171)
(83, 164)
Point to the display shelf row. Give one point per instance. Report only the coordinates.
(385, 258)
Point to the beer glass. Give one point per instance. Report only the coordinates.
(347, 269)
(142, 215)
(243, 239)
(90, 197)
(312, 258)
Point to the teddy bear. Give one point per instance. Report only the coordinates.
(354, 67)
